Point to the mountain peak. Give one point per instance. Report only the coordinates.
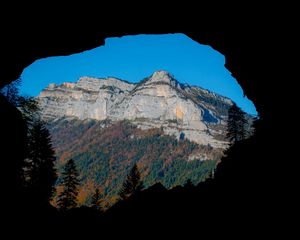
(161, 76)
(161, 73)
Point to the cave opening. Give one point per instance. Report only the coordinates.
(193, 125)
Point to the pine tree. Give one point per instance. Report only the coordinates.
(132, 184)
(237, 124)
(11, 92)
(39, 166)
(69, 181)
(27, 105)
(96, 200)
(37, 173)
(30, 110)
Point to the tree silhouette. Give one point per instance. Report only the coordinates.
(39, 169)
(132, 184)
(189, 184)
(27, 105)
(11, 92)
(96, 200)
(36, 172)
(237, 124)
(69, 180)
(30, 109)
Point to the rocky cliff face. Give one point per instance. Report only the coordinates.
(159, 101)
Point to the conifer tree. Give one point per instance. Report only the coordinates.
(96, 200)
(39, 166)
(132, 184)
(69, 181)
(11, 92)
(237, 124)
(36, 171)
(30, 110)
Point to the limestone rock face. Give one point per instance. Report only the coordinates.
(157, 101)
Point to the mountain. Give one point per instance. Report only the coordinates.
(173, 131)
(157, 101)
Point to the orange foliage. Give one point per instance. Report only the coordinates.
(65, 156)
(58, 190)
(86, 190)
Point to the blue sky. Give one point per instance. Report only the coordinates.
(133, 58)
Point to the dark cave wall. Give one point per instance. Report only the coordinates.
(247, 46)
(248, 49)
(255, 184)
(250, 38)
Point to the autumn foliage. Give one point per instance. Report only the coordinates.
(105, 152)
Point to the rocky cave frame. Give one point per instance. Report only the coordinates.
(250, 36)
(241, 60)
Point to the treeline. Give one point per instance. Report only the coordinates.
(109, 162)
(173, 173)
(36, 171)
(37, 174)
(104, 155)
(67, 198)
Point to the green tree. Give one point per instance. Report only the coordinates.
(39, 166)
(237, 124)
(132, 183)
(70, 182)
(96, 200)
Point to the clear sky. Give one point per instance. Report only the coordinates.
(133, 58)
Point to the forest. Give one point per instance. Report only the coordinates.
(105, 152)
(142, 191)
